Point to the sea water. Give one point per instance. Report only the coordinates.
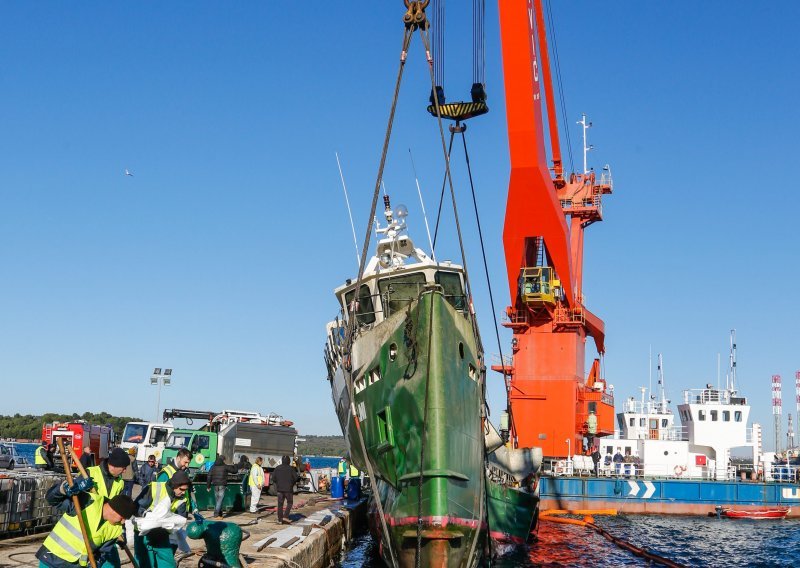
(690, 541)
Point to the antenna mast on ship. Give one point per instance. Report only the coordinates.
(662, 392)
(732, 386)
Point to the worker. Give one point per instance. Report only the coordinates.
(108, 475)
(154, 549)
(285, 477)
(354, 473)
(130, 474)
(40, 460)
(618, 459)
(255, 483)
(591, 427)
(596, 457)
(87, 458)
(342, 468)
(103, 518)
(181, 462)
(148, 471)
(218, 478)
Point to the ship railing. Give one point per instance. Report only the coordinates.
(708, 395)
(514, 317)
(647, 407)
(505, 361)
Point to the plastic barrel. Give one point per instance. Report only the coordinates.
(354, 489)
(337, 487)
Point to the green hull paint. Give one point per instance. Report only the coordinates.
(428, 340)
(511, 513)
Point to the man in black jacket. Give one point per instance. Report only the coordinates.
(218, 477)
(284, 477)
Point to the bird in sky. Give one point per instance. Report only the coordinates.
(127, 173)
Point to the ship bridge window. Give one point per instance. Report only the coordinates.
(713, 415)
(398, 292)
(642, 422)
(632, 421)
(664, 422)
(737, 416)
(726, 415)
(365, 310)
(453, 291)
(621, 422)
(701, 414)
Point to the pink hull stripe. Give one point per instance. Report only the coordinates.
(439, 521)
(505, 537)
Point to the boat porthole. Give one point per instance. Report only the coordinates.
(393, 352)
(461, 350)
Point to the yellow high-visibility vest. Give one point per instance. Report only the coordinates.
(256, 476)
(66, 539)
(41, 456)
(117, 485)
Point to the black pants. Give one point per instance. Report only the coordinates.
(288, 496)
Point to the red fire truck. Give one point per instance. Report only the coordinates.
(80, 435)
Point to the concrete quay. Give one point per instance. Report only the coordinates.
(320, 529)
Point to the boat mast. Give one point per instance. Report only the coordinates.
(662, 392)
(732, 385)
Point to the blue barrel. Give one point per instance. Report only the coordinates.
(354, 489)
(337, 487)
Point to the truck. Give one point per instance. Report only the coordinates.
(147, 438)
(232, 434)
(80, 434)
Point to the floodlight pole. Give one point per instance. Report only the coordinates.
(160, 379)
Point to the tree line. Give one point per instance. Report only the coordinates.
(29, 426)
(321, 446)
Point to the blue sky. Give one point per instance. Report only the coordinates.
(218, 257)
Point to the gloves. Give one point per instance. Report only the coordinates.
(80, 486)
(197, 516)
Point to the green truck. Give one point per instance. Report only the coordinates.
(232, 434)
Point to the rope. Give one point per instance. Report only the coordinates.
(486, 271)
(418, 552)
(560, 84)
(441, 196)
(352, 327)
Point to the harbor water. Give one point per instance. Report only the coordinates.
(691, 541)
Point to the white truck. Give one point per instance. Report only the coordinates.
(148, 438)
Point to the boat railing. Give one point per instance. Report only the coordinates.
(708, 395)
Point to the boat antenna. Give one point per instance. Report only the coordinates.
(718, 365)
(422, 204)
(350, 213)
(650, 369)
(662, 391)
(732, 385)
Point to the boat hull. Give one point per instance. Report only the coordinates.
(511, 515)
(417, 381)
(665, 496)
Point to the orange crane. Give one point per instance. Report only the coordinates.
(550, 396)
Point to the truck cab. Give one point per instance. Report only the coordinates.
(203, 445)
(147, 438)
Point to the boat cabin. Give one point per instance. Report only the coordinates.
(389, 291)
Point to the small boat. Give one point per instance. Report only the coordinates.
(776, 513)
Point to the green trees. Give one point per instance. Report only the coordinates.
(322, 446)
(29, 426)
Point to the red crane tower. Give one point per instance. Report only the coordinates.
(546, 215)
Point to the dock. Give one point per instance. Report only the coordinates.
(320, 529)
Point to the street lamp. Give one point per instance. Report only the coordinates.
(160, 379)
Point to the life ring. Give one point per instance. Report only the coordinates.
(679, 469)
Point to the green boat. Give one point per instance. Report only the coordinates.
(407, 381)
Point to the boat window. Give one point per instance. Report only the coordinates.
(398, 292)
(632, 421)
(653, 423)
(365, 311)
(621, 422)
(642, 422)
(713, 415)
(664, 422)
(726, 415)
(701, 414)
(737, 416)
(453, 292)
